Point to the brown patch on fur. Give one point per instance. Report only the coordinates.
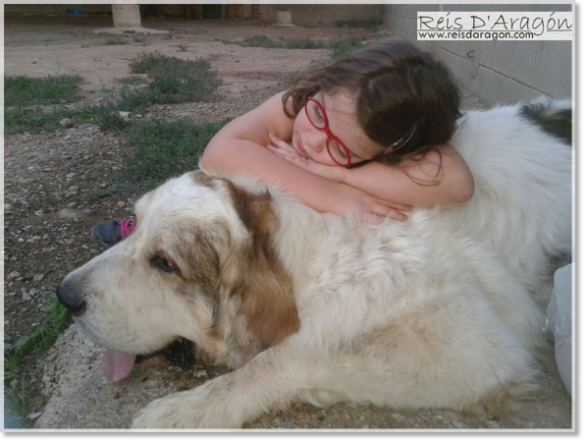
(260, 289)
(203, 179)
(196, 251)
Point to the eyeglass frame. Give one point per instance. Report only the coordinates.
(330, 136)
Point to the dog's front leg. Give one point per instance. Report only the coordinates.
(268, 382)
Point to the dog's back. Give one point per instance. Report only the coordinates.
(522, 168)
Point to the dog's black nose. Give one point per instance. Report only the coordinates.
(71, 299)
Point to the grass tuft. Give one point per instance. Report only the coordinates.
(173, 81)
(115, 39)
(261, 41)
(371, 25)
(34, 121)
(341, 47)
(41, 338)
(27, 91)
(164, 149)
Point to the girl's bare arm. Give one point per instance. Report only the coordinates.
(441, 177)
(240, 148)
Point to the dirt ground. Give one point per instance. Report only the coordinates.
(57, 187)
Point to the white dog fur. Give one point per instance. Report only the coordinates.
(438, 311)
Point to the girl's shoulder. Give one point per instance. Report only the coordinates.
(268, 117)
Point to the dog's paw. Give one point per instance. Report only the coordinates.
(203, 407)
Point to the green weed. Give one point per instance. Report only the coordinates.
(261, 41)
(371, 25)
(41, 338)
(19, 120)
(11, 367)
(341, 47)
(108, 118)
(173, 81)
(15, 406)
(131, 81)
(164, 149)
(27, 91)
(139, 38)
(115, 39)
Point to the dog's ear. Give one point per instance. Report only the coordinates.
(257, 290)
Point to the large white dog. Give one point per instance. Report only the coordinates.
(438, 311)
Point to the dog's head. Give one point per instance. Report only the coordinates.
(200, 265)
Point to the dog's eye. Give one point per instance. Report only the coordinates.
(165, 264)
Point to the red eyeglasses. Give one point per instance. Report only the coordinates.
(340, 154)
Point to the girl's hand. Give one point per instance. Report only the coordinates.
(287, 152)
(347, 200)
(368, 208)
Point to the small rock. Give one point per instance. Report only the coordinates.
(38, 277)
(72, 205)
(69, 213)
(73, 188)
(37, 213)
(124, 115)
(13, 275)
(201, 373)
(26, 297)
(34, 415)
(66, 122)
(70, 175)
(121, 204)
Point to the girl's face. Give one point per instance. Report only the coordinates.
(340, 109)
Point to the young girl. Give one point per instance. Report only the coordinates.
(366, 135)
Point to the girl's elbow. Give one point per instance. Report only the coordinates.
(210, 159)
(204, 161)
(464, 191)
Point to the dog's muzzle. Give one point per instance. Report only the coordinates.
(69, 297)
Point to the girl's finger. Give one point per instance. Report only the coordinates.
(396, 215)
(278, 142)
(387, 212)
(385, 206)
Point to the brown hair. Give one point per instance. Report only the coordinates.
(406, 100)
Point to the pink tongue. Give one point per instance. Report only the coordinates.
(118, 365)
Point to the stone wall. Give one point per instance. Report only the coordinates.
(499, 72)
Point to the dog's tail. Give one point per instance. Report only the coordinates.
(552, 116)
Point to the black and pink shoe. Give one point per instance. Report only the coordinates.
(110, 232)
